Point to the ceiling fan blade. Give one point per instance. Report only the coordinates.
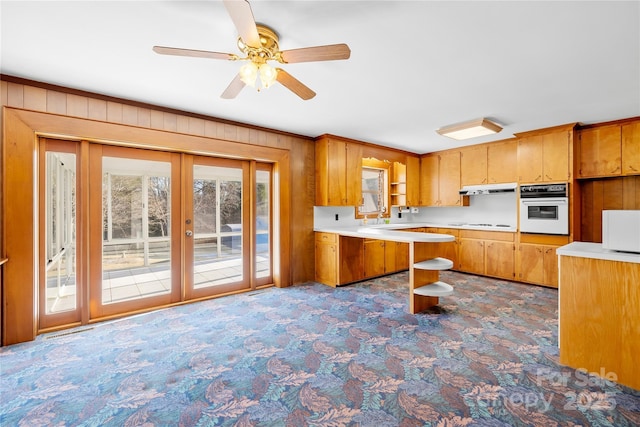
(234, 88)
(163, 50)
(317, 53)
(294, 85)
(242, 17)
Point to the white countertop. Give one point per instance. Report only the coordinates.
(596, 251)
(403, 225)
(370, 232)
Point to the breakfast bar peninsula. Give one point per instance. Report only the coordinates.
(350, 254)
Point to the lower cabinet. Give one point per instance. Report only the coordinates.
(339, 259)
(374, 257)
(487, 253)
(537, 259)
(384, 257)
(471, 252)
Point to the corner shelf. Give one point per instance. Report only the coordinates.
(435, 289)
(434, 264)
(426, 288)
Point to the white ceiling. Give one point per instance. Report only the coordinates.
(415, 66)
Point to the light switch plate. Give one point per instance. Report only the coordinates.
(414, 210)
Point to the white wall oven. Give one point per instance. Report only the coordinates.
(544, 208)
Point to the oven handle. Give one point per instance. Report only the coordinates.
(540, 202)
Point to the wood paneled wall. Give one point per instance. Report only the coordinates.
(120, 117)
(604, 194)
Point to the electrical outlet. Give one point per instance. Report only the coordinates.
(337, 218)
(414, 210)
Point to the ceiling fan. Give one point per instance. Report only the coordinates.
(259, 44)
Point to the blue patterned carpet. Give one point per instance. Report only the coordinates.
(317, 356)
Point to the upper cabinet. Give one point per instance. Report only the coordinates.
(440, 180)
(502, 159)
(609, 150)
(473, 165)
(631, 148)
(413, 181)
(449, 185)
(600, 151)
(544, 156)
(429, 180)
(338, 172)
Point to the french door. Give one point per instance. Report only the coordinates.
(141, 229)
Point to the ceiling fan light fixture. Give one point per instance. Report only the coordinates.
(268, 75)
(470, 129)
(249, 73)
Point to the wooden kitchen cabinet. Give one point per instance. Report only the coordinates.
(374, 258)
(384, 257)
(502, 162)
(555, 156)
(429, 180)
(390, 252)
(471, 253)
(544, 157)
(531, 262)
(473, 165)
(339, 259)
(538, 264)
(500, 259)
(487, 253)
(402, 256)
(631, 148)
(327, 261)
(449, 179)
(440, 183)
(537, 260)
(338, 172)
(550, 266)
(530, 159)
(413, 181)
(600, 151)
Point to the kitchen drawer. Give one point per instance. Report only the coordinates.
(487, 235)
(449, 231)
(326, 237)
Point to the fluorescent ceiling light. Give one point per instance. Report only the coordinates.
(471, 129)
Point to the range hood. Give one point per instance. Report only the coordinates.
(474, 190)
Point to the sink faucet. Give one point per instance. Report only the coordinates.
(379, 218)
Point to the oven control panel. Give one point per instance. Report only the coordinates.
(543, 190)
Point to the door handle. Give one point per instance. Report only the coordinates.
(189, 233)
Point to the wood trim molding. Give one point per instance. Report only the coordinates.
(609, 123)
(108, 98)
(567, 127)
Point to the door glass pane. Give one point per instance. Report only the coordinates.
(217, 216)
(136, 234)
(60, 232)
(263, 248)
